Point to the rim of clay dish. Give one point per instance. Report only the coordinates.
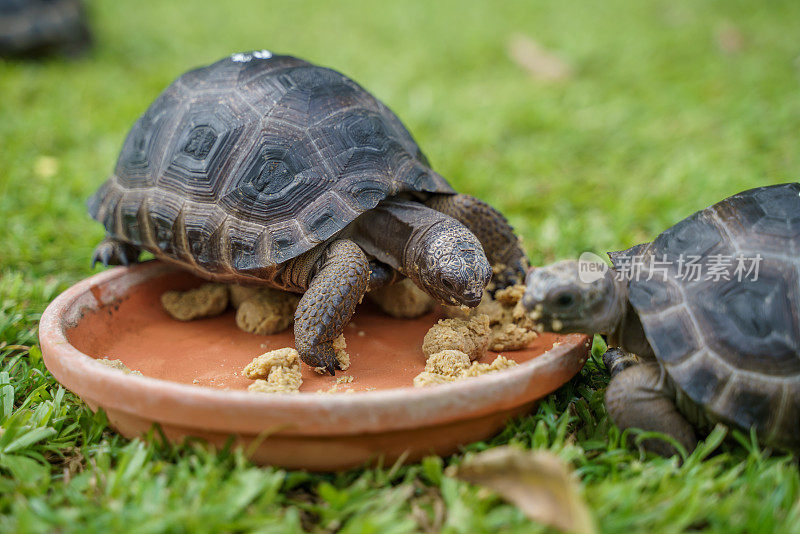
(193, 406)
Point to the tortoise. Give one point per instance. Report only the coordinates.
(31, 28)
(266, 169)
(703, 322)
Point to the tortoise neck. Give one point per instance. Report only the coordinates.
(624, 328)
(393, 232)
(613, 318)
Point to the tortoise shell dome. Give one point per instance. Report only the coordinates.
(253, 160)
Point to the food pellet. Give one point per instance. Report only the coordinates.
(207, 300)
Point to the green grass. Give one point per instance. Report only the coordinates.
(657, 121)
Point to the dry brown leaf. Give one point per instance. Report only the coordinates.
(538, 62)
(538, 482)
(729, 38)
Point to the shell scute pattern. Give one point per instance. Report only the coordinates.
(293, 151)
(206, 148)
(142, 154)
(702, 380)
(755, 323)
(674, 336)
(732, 346)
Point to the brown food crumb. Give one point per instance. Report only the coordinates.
(277, 371)
(207, 300)
(403, 300)
(340, 381)
(118, 365)
(449, 366)
(469, 336)
(265, 311)
(512, 328)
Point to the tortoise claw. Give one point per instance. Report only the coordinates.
(321, 357)
(113, 252)
(101, 254)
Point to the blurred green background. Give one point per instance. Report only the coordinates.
(670, 106)
(661, 107)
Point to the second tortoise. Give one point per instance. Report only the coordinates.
(704, 321)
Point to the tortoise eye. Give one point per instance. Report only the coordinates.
(565, 299)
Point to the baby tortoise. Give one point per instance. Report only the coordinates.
(267, 169)
(711, 308)
(33, 28)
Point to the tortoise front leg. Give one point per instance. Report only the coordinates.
(112, 251)
(328, 304)
(500, 243)
(638, 397)
(617, 360)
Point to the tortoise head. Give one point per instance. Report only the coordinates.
(451, 266)
(560, 299)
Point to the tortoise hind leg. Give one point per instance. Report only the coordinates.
(328, 304)
(637, 397)
(112, 251)
(500, 243)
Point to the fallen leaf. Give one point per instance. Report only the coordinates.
(538, 62)
(729, 38)
(538, 482)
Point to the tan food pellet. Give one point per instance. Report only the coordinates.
(499, 363)
(511, 336)
(510, 295)
(265, 386)
(512, 327)
(266, 311)
(340, 348)
(118, 365)
(285, 378)
(431, 379)
(436, 373)
(488, 306)
(261, 365)
(239, 293)
(277, 371)
(447, 363)
(403, 300)
(469, 336)
(207, 300)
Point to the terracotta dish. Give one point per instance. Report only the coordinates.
(192, 384)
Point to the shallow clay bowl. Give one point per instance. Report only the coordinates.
(192, 384)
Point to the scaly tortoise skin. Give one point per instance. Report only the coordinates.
(30, 28)
(722, 350)
(270, 170)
